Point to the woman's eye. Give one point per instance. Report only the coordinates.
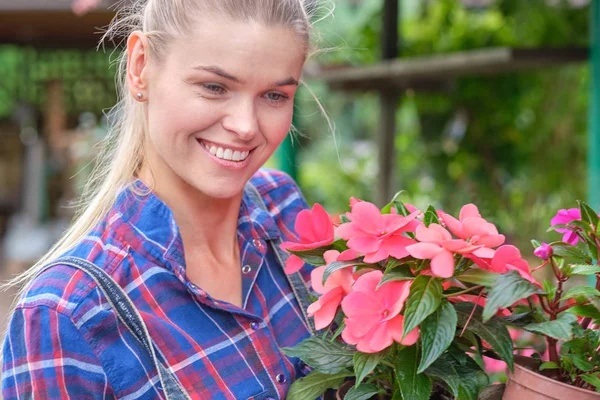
(213, 89)
(276, 98)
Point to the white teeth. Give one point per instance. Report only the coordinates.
(226, 154)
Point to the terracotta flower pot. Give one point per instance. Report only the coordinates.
(525, 384)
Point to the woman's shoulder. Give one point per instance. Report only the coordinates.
(65, 288)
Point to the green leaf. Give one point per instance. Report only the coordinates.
(364, 392)
(365, 363)
(344, 219)
(478, 277)
(437, 332)
(549, 365)
(337, 265)
(401, 208)
(339, 245)
(592, 379)
(580, 291)
(413, 386)
(402, 273)
(315, 384)
(584, 269)
(580, 361)
(560, 328)
(461, 373)
(424, 298)
(550, 289)
(493, 331)
(572, 253)
(518, 320)
(431, 216)
(508, 289)
(388, 207)
(322, 355)
(312, 257)
(587, 310)
(588, 214)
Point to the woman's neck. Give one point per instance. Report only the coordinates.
(208, 226)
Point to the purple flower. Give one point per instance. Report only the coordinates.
(563, 217)
(544, 251)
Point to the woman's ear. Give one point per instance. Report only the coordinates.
(137, 63)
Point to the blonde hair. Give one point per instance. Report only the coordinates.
(122, 152)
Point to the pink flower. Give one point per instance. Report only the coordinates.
(315, 229)
(436, 244)
(336, 287)
(470, 226)
(508, 258)
(564, 217)
(373, 319)
(377, 235)
(544, 251)
(81, 7)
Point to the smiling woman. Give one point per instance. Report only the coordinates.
(170, 283)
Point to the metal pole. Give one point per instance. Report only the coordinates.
(593, 163)
(388, 101)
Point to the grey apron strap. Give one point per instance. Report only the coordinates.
(129, 315)
(301, 291)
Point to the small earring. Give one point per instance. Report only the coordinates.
(139, 95)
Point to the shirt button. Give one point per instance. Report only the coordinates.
(281, 378)
(257, 243)
(254, 326)
(246, 269)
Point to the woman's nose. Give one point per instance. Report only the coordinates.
(242, 119)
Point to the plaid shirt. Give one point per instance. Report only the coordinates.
(65, 341)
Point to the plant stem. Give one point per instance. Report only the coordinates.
(472, 312)
(552, 351)
(462, 291)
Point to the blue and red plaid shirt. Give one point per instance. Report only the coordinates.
(65, 341)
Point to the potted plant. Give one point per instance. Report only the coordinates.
(407, 302)
(564, 313)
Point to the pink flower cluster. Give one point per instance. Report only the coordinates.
(373, 319)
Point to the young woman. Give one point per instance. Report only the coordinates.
(170, 283)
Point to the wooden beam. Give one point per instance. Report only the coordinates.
(52, 29)
(388, 101)
(430, 71)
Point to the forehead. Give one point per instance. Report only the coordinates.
(246, 49)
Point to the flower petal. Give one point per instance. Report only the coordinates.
(442, 265)
(424, 251)
(293, 264)
(328, 306)
(367, 216)
(321, 222)
(364, 244)
(469, 210)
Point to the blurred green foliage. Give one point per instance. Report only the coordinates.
(514, 144)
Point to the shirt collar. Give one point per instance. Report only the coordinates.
(153, 229)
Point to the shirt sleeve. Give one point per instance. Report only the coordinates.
(45, 356)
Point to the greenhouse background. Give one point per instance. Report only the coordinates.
(483, 101)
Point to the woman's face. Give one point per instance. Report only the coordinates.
(219, 104)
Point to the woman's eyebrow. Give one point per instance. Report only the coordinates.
(222, 73)
(287, 81)
(218, 71)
